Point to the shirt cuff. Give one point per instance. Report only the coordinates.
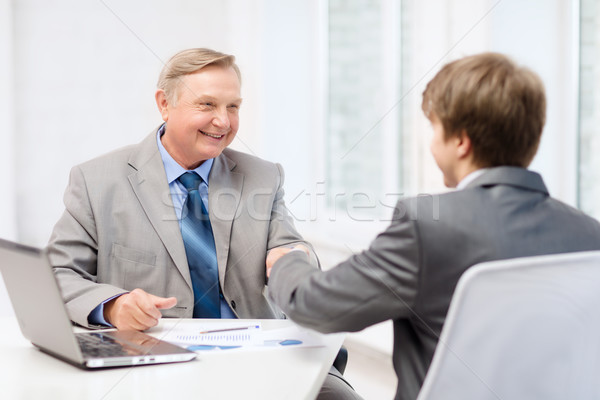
(96, 316)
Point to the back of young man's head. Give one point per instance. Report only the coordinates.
(499, 105)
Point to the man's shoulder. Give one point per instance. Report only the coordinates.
(425, 206)
(118, 158)
(109, 158)
(565, 214)
(487, 202)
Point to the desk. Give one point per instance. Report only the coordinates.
(279, 373)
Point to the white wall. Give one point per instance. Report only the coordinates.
(85, 75)
(8, 217)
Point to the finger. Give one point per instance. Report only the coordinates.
(163, 303)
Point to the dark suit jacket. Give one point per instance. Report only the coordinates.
(119, 231)
(410, 270)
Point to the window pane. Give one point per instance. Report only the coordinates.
(362, 115)
(589, 109)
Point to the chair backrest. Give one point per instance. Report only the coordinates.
(525, 328)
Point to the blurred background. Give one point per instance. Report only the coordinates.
(331, 88)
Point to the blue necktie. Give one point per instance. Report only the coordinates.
(200, 250)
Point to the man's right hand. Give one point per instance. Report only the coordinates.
(136, 310)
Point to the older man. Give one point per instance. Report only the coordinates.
(487, 115)
(177, 225)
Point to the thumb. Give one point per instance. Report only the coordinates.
(163, 303)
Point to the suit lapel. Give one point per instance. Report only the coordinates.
(149, 182)
(224, 195)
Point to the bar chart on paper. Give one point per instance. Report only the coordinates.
(215, 335)
(246, 335)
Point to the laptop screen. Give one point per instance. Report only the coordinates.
(36, 299)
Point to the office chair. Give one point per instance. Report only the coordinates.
(341, 359)
(526, 328)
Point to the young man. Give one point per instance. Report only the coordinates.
(487, 115)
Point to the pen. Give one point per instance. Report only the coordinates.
(240, 328)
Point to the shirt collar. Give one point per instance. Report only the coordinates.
(470, 178)
(173, 169)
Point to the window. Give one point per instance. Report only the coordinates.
(589, 108)
(363, 139)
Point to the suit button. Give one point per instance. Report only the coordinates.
(233, 304)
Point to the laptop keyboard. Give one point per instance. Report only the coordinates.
(98, 345)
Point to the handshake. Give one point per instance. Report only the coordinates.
(278, 252)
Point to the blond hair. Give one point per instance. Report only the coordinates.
(187, 62)
(500, 106)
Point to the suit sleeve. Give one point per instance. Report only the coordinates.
(282, 231)
(73, 251)
(370, 287)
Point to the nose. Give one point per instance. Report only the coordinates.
(221, 119)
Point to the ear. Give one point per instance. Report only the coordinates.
(463, 145)
(162, 103)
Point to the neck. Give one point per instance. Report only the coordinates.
(462, 170)
(466, 172)
(179, 159)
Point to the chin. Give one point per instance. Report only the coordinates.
(210, 152)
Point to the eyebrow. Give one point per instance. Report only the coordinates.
(211, 98)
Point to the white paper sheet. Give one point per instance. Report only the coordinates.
(247, 335)
(216, 335)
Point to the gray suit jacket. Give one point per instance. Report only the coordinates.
(119, 231)
(410, 270)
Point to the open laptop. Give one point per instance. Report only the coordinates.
(43, 319)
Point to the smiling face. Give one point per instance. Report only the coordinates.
(204, 118)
